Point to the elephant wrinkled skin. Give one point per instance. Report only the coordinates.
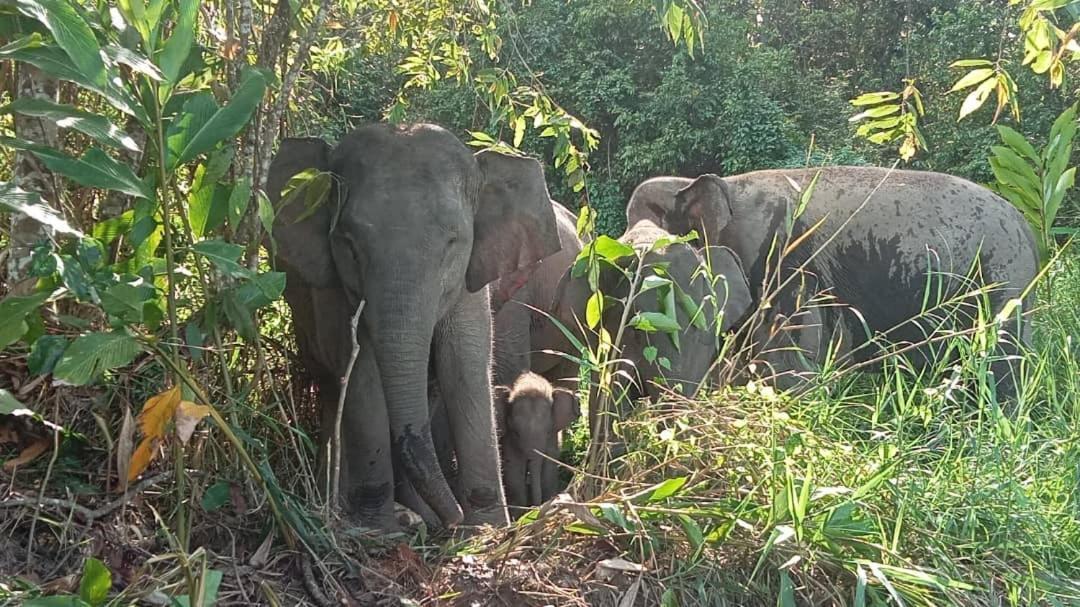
(415, 226)
(875, 241)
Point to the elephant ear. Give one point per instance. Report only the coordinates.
(515, 224)
(724, 262)
(564, 408)
(704, 205)
(302, 237)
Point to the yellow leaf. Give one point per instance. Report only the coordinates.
(188, 415)
(145, 452)
(157, 412)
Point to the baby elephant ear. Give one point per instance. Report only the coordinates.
(515, 223)
(302, 239)
(564, 408)
(704, 206)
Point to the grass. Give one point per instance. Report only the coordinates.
(898, 489)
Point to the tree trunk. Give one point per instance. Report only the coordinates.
(31, 175)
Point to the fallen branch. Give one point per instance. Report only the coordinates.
(85, 514)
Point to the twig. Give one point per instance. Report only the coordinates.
(336, 468)
(87, 515)
(309, 582)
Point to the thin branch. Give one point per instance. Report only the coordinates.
(87, 515)
(336, 468)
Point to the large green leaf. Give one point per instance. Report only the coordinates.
(16, 200)
(238, 201)
(136, 61)
(179, 43)
(261, 290)
(202, 125)
(13, 313)
(55, 62)
(94, 169)
(1018, 143)
(125, 302)
(94, 353)
(224, 255)
(70, 117)
(208, 205)
(71, 34)
(1063, 185)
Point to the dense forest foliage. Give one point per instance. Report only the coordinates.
(770, 88)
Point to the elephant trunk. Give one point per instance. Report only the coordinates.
(403, 345)
(535, 467)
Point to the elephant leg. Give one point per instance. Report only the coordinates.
(462, 361)
(366, 477)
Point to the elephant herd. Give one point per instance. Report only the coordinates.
(465, 269)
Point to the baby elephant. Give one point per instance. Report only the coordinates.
(535, 414)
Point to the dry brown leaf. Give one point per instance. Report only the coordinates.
(157, 412)
(39, 445)
(187, 417)
(125, 444)
(142, 456)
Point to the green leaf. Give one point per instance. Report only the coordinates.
(178, 46)
(1063, 185)
(69, 117)
(224, 255)
(971, 63)
(668, 488)
(651, 322)
(261, 291)
(94, 353)
(216, 496)
(45, 353)
(1018, 143)
(1013, 162)
(874, 98)
(972, 78)
(71, 33)
(17, 200)
(519, 130)
(107, 230)
(203, 125)
(876, 112)
(134, 12)
(210, 584)
(610, 249)
(13, 312)
(594, 310)
(94, 169)
(8, 403)
(208, 205)
(95, 583)
(125, 302)
(137, 62)
(54, 61)
(238, 201)
(266, 218)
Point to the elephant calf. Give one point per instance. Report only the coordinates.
(681, 364)
(534, 415)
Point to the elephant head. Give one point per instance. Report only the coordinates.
(703, 205)
(535, 414)
(413, 223)
(653, 199)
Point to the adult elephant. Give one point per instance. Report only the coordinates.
(653, 198)
(893, 247)
(416, 226)
(706, 277)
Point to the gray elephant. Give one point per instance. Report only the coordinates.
(653, 198)
(522, 306)
(415, 226)
(535, 414)
(682, 367)
(888, 247)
